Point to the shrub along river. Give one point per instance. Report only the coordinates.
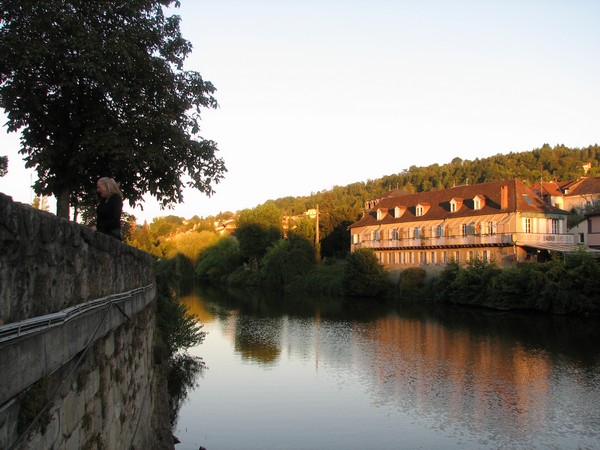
(299, 373)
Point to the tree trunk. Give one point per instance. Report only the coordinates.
(62, 203)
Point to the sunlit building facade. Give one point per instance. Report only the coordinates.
(503, 221)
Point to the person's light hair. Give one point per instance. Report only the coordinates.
(112, 186)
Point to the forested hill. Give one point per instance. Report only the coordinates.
(344, 203)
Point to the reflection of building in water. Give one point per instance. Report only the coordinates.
(432, 368)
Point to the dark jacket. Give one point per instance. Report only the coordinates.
(109, 215)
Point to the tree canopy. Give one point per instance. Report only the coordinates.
(98, 89)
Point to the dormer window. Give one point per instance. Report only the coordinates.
(421, 209)
(379, 214)
(478, 202)
(455, 204)
(399, 210)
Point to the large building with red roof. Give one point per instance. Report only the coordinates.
(504, 221)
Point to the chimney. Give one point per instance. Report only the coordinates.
(503, 197)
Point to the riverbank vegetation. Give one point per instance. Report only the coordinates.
(176, 331)
(563, 285)
(277, 246)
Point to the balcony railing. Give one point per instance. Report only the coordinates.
(468, 240)
(541, 238)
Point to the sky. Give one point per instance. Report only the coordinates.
(321, 93)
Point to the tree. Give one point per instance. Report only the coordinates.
(258, 229)
(286, 260)
(3, 165)
(364, 276)
(191, 243)
(219, 260)
(98, 89)
(41, 202)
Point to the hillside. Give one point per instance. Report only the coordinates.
(545, 163)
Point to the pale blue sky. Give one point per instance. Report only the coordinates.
(318, 93)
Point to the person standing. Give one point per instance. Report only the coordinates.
(109, 208)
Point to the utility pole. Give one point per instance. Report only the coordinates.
(317, 243)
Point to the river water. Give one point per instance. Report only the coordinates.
(300, 373)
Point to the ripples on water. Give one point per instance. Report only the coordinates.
(295, 373)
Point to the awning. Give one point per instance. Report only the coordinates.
(562, 248)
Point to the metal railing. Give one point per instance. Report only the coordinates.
(36, 324)
(466, 240)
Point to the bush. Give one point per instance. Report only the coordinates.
(325, 279)
(518, 287)
(445, 283)
(364, 276)
(218, 261)
(287, 260)
(472, 282)
(411, 283)
(177, 330)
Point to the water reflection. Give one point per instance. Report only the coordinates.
(475, 378)
(184, 370)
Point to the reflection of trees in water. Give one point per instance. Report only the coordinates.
(182, 378)
(258, 339)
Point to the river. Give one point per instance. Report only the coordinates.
(298, 373)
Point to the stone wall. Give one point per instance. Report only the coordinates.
(90, 382)
(48, 264)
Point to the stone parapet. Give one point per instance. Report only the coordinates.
(48, 264)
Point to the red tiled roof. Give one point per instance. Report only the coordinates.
(548, 188)
(520, 198)
(584, 185)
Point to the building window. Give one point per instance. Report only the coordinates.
(411, 257)
(527, 225)
(464, 229)
(492, 226)
(417, 233)
(457, 256)
(379, 214)
(432, 257)
(419, 210)
(485, 255)
(355, 238)
(395, 233)
(555, 226)
(581, 238)
(376, 235)
(439, 231)
(471, 255)
(452, 206)
(476, 203)
(444, 257)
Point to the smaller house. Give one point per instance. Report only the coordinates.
(570, 195)
(587, 231)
